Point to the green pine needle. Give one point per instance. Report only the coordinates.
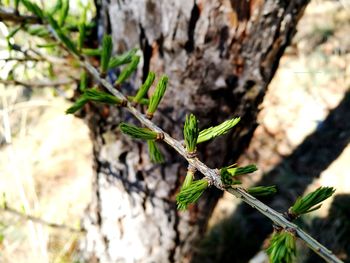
(216, 131)
(227, 178)
(100, 96)
(63, 13)
(34, 8)
(145, 87)
(157, 95)
(258, 191)
(93, 95)
(83, 81)
(107, 48)
(38, 30)
(92, 51)
(191, 132)
(188, 179)
(128, 70)
(142, 101)
(156, 155)
(191, 193)
(311, 201)
(282, 247)
(122, 59)
(137, 132)
(61, 35)
(56, 7)
(82, 35)
(77, 105)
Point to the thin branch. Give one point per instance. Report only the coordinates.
(212, 175)
(40, 220)
(37, 83)
(27, 59)
(12, 16)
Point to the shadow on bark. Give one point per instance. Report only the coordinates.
(240, 236)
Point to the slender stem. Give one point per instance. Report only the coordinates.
(37, 83)
(21, 19)
(212, 175)
(40, 220)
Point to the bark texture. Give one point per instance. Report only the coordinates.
(220, 57)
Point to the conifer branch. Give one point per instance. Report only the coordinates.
(40, 220)
(211, 176)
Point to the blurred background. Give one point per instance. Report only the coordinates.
(46, 159)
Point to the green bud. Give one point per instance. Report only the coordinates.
(157, 95)
(311, 201)
(156, 155)
(216, 131)
(282, 247)
(128, 70)
(119, 60)
(262, 190)
(191, 132)
(137, 132)
(145, 87)
(191, 194)
(107, 48)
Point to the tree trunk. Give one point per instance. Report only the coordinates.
(220, 57)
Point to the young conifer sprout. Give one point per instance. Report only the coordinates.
(191, 193)
(107, 48)
(128, 70)
(311, 201)
(282, 246)
(156, 155)
(221, 129)
(141, 93)
(191, 132)
(94, 95)
(137, 132)
(227, 178)
(235, 170)
(63, 13)
(157, 96)
(259, 191)
(122, 59)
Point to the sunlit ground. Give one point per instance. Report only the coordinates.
(45, 155)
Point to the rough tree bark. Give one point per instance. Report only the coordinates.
(220, 57)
